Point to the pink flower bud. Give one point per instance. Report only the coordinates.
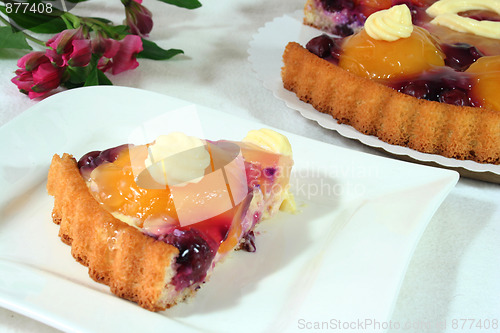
(138, 18)
(61, 46)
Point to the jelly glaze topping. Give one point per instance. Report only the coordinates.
(111, 177)
(422, 65)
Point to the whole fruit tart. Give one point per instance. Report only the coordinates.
(422, 74)
(152, 221)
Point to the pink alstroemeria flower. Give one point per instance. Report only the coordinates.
(37, 76)
(67, 44)
(138, 18)
(106, 49)
(125, 58)
(120, 56)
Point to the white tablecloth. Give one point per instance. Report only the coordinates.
(454, 273)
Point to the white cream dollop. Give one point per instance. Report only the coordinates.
(177, 159)
(270, 140)
(445, 13)
(390, 24)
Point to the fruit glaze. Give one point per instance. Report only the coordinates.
(112, 181)
(435, 63)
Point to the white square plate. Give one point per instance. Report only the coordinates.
(341, 260)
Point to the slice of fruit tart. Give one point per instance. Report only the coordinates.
(152, 221)
(421, 74)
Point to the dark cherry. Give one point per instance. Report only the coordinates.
(445, 85)
(418, 89)
(337, 5)
(111, 154)
(325, 47)
(460, 56)
(320, 45)
(195, 256)
(87, 159)
(455, 97)
(93, 159)
(343, 30)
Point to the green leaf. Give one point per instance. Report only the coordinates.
(152, 51)
(13, 40)
(100, 19)
(189, 4)
(36, 22)
(92, 78)
(103, 79)
(95, 76)
(116, 31)
(76, 76)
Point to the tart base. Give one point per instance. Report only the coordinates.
(464, 133)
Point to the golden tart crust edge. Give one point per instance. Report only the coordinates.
(464, 133)
(135, 266)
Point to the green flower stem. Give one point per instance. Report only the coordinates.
(67, 22)
(31, 38)
(98, 26)
(72, 21)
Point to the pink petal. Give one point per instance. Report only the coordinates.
(61, 42)
(33, 94)
(55, 57)
(111, 48)
(125, 58)
(81, 54)
(23, 80)
(32, 60)
(46, 77)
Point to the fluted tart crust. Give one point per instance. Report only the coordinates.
(135, 266)
(464, 133)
